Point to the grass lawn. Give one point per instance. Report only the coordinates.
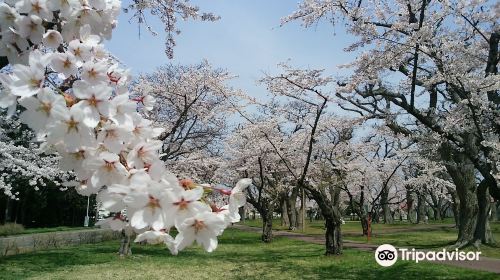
(399, 234)
(52, 229)
(20, 230)
(240, 256)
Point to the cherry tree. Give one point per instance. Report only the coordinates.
(305, 95)
(429, 68)
(250, 152)
(431, 184)
(23, 163)
(191, 104)
(75, 97)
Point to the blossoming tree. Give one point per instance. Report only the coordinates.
(429, 68)
(75, 97)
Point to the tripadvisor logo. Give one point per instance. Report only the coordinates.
(387, 255)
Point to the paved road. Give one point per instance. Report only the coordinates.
(484, 263)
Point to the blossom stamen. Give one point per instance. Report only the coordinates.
(183, 204)
(198, 225)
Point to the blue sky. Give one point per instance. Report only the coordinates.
(247, 41)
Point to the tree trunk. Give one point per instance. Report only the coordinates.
(455, 207)
(125, 245)
(331, 213)
(242, 213)
(437, 214)
(384, 201)
(496, 212)
(364, 224)
(267, 224)
(300, 217)
(285, 221)
(7, 211)
(483, 233)
(333, 237)
(462, 173)
(410, 205)
(291, 209)
(420, 208)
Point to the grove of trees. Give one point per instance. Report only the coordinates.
(412, 132)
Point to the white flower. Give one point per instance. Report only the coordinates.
(80, 51)
(52, 39)
(116, 222)
(87, 37)
(111, 198)
(74, 161)
(142, 128)
(154, 237)
(183, 204)
(28, 80)
(148, 208)
(95, 101)
(64, 63)
(94, 73)
(14, 47)
(113, 137)
(71, 131)
(109, 170)
(123, 109)
(158, 237)
(8, 16)
(238, 196)
(204, 228)
(144, 153)
(7, 100)
(35, 7)
(46, 106)
(30, 27)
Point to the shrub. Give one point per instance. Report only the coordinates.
(11, 229)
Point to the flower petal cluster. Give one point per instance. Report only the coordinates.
(74, 96)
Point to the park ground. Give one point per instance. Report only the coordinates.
(434, 235)
(240, 255)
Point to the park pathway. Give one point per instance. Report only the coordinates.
(484, 263)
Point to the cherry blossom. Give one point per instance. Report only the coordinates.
(75, 96)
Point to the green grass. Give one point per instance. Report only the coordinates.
(399, 234)
(15, 229)
(240, 256)
(52, 229)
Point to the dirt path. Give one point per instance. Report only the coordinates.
(484, 263)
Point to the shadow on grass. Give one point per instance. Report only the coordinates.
(240, 253)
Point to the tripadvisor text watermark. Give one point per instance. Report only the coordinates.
(387, 255)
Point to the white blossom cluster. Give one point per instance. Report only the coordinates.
(75, 97)
(23, 163)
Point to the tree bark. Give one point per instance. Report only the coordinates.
(125, 245)
(455, 206)
(291, 209)
(7, 211)
(496, 212)
(420, 208)
(242, 213)
(267, 224)
(364, 224)
(410, 205)
(333, 237)
(462, 173)
(482, 232)
(330, 211)
(386, 211)
(285, 222)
